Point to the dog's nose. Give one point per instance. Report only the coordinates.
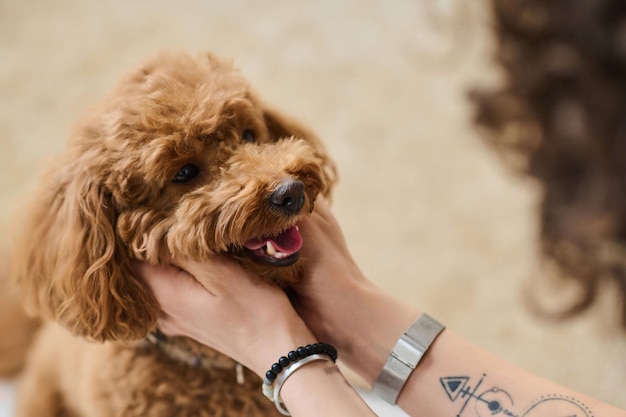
(288, 196)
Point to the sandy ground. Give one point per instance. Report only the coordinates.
(429, 212)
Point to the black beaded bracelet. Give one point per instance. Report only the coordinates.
(292, 357)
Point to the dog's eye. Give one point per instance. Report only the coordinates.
(248, 136)
(187, 173)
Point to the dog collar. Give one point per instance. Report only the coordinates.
(193, 359)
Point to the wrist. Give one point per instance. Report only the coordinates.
(332, 395)
(406, 355)
(276, 343)
(370, 337)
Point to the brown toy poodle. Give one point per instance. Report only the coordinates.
(183, 158)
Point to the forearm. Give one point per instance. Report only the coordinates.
(314, 389)
(455, 377)
(369, 333)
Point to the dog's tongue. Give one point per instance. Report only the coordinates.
(288, 242)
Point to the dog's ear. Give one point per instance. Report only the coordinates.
(72, 267)
(283, 126)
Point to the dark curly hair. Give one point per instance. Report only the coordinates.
(560, 117)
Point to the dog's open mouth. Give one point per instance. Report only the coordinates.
(282, 249)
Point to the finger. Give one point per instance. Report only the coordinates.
(216, 265)
(313, 235)
(168, 282)
(321, 204)
(214, 273)
(320, 216)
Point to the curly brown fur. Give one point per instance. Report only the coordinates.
(116, 196)
(17, 327)
(560, 119)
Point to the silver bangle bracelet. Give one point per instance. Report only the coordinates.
(405, 356)
(278, 402)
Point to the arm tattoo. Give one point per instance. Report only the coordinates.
(481, 400)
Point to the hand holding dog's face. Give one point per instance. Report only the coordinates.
(182, 157)
(189, 293)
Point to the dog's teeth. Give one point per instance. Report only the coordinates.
(271, 251)
(269, 248)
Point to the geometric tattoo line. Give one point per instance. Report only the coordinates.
(496, 401)
(566, 406)
(453, 385)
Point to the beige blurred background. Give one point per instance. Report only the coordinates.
(429, 211)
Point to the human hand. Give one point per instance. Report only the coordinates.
(339, 304)
(226, 307)
(331, 275)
